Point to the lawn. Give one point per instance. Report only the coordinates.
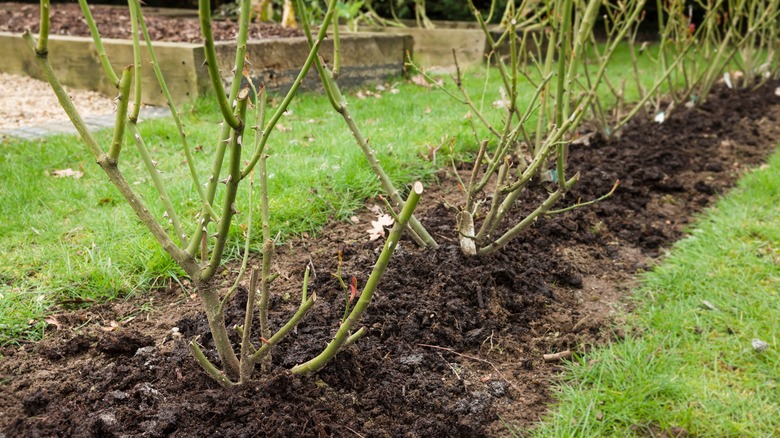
(693, 359)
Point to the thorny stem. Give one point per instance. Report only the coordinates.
(231, 183)
(134, 12)
(233, 367)
(99, 44)
(306, 303)
(121, 115)
(210, 369)
(339, 103)
(268, 127)
(246, 331)
(151, 167)
(336, 50)
(310, 59)
(204, 10)
(42, 49)
(174, 114)
(343, 333)
(528, 220)
(585, 204)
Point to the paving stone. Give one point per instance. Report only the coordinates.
(94, 123)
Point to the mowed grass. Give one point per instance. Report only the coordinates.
(689, 363)
(70, 242)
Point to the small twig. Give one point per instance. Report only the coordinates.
(584, 204)
(349, 429)
(478, 359)
(457, 374)
(311, 266)
(554, 357)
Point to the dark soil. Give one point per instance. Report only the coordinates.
(452, 342)
(114, 22)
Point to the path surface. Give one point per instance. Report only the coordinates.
(29, 109)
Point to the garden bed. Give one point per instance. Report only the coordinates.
(453, 343)
(276, 54)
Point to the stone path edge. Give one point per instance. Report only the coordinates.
(94, 123)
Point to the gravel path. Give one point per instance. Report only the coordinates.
(29, 102)
(29, 109)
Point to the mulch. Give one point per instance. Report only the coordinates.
(114, 22)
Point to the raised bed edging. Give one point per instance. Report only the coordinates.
(365, 58)
(434, 47)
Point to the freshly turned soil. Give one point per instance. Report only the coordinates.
(114, 22)
(453, 342)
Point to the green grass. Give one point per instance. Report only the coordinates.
(74, 240)
(688, 365)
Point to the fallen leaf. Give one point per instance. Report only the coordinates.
(707, 305)
(53, 321)
(377, 229)
(503, 102)
(112, 326)
(354, 219)
(67, 173)
(283, 128)
(352, 289)
(583, 139)
(420, 80)
(367, 93)
(759, 345)
(375, 209)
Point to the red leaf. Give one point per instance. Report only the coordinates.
(353, 289)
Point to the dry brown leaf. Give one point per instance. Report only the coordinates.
(423, 82)
(53, 321)
(503, 102)
(67, 173)
(112, 326)
(420, 80)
